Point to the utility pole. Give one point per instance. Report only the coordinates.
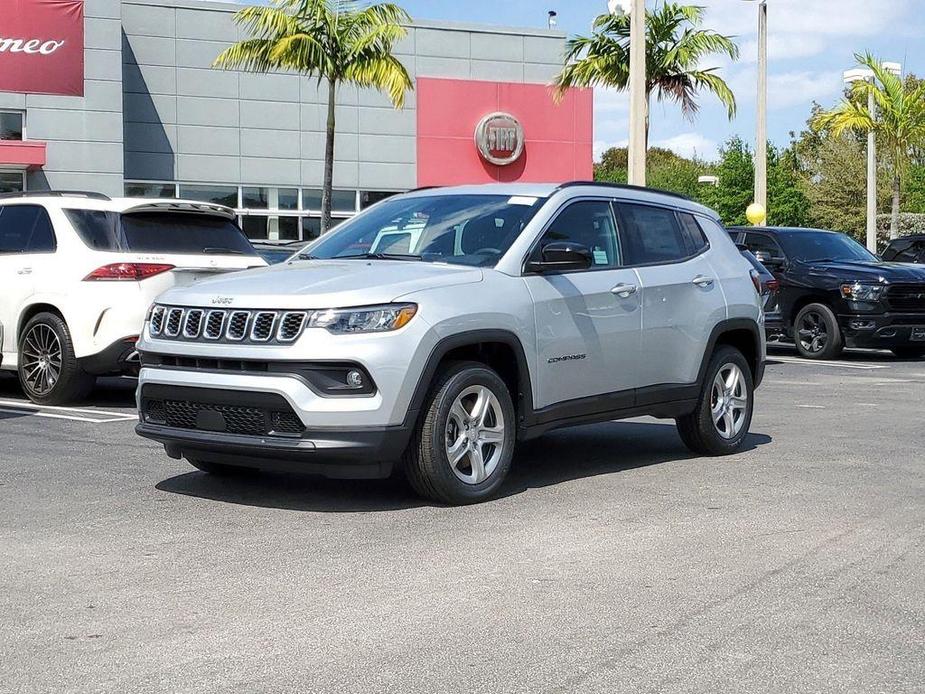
(638, 104)
(761, 131)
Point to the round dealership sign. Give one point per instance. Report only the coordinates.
(500, 138)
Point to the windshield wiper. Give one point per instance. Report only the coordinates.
(218, 249)
(383, 256)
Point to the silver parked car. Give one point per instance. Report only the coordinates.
(439, 327)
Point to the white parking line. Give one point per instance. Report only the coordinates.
(838, 364)
(74, 414)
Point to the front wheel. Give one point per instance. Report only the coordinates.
(462, 448)
(48, 369)
(816, 333)
(719, 424)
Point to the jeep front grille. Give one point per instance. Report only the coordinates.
(227, 325)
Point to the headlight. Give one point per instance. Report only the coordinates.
(862, 292)
(366, 319)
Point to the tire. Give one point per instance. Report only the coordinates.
(700, 431)
(48, 369)
(909, 352)
(218, 469)
(449, 414)
(816, 333)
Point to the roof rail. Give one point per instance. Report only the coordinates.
(56, 194)
(623, 186)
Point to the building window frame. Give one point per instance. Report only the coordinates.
(22, 116)
(22, 175)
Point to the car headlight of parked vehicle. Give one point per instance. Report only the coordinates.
(858, 291)
(366, 319)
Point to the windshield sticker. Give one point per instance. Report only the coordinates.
(521, 200)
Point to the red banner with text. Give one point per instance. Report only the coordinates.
(42, 47)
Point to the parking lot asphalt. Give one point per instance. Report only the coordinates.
(614, 561)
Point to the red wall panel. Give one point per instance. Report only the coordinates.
(558, 136)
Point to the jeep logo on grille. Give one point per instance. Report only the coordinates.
(222, 300)
(499, 138)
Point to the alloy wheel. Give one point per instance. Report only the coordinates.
(812, 333)
(475, 434)
(729, 401)
(41, 357)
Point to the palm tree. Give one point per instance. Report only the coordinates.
(898, 123)
(675, 48)
(328, 39)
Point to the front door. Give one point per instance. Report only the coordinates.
(587, 322)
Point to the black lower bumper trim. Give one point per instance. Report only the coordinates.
(361, 453)
(882, 332)
(119, 358)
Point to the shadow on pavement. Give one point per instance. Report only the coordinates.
(883, 356)
(108, 392)
(557, 457)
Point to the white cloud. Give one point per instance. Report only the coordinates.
(689, 145)
(787, 89)
(601, 146)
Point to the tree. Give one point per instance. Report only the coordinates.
(676, 47)
(330, 40)
(664, 169)
(899, 123)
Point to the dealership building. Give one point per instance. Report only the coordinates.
(119, 97)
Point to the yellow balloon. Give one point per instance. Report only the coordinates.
(756, 213)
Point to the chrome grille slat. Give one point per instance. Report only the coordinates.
(173, 323)
(193, 323)
(247, 326)
(237, 325)
(157, 319)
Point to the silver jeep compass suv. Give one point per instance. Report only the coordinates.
(438, 328)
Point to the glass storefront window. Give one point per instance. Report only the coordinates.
(370, 197)
(11, 182)
(255, 198)
(287, 228)
(311, 228)
(11, 125)
(288, 198)
(150, 190)
(341, 200)
(220, 195)
(255, 227)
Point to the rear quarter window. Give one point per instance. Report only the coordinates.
(159, 232)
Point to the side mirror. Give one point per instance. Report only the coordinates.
(562, 256)
(768, 261)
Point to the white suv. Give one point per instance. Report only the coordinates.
(79, 270)
(498, 313)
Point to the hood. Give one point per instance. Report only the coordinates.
(844, 270)
(321, 284)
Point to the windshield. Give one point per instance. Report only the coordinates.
(809, 246)
(159, 232)
(462, 229)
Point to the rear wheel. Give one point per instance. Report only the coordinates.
(462, 448)
(909, 352)
(48, 369)
(816, 333)
(719, 424)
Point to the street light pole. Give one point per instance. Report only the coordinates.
(638, 105)
(761, 130)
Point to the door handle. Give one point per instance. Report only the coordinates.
(624, 291)
(703, 281)
(24, 271)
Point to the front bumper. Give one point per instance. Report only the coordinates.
(882, 331)
(120, 357)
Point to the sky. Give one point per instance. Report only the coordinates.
(811, 42)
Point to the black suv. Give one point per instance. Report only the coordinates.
(835, 293)
(908, 249)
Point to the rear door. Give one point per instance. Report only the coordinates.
(681, 297)
(587, 322)
(27, 247)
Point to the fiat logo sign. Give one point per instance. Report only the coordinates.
(499, 138)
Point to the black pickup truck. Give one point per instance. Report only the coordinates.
(834, 293)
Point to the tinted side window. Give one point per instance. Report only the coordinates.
(653, 235)
(590, 223)
(25, 229)
(692, 233)
(764, 244)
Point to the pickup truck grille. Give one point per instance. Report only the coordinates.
(909, 298)
(226, 325)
